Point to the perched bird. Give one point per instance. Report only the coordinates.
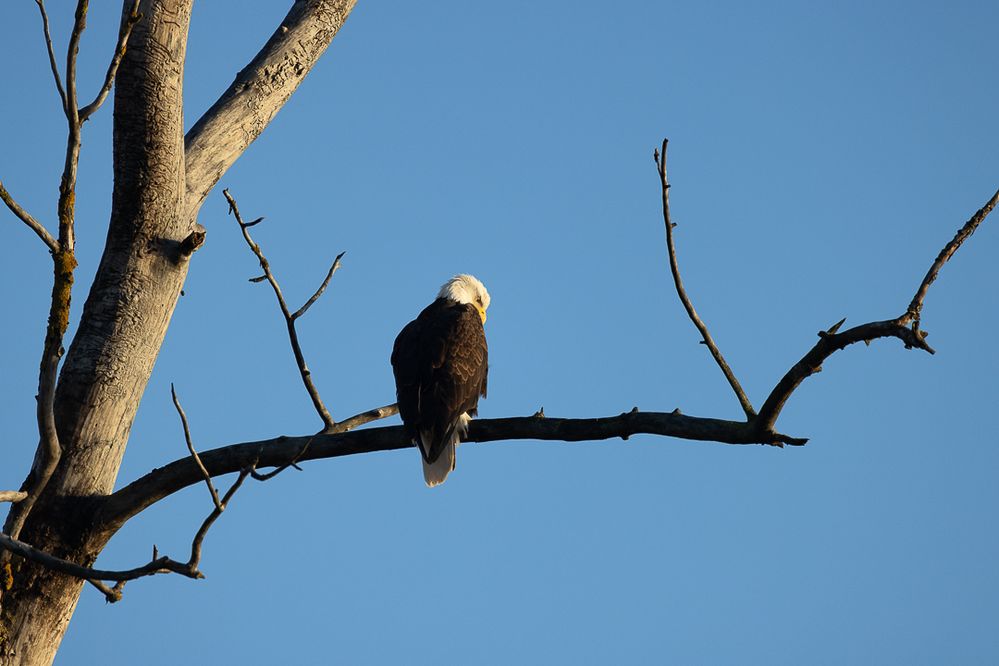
(440, 361)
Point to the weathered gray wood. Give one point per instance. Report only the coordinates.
(159, 186)
(243, 111)
(123, 324)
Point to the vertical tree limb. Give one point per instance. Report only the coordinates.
(328, 423)
(747, 406)
(52, 58)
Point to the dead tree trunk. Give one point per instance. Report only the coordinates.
(124, 321)
(153, 231)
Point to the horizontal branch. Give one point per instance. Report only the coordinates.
(157, 565)
(279, 451)
(12, 495)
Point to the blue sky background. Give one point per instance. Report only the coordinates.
(820, 157)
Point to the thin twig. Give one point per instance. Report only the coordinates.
(52, 58)
(291, 463)
(26, 217)
(212, 517)
(79, 25)
(319, 292)
(190, 447)
(111, 594)
(127, 23)
(916, 305)
(747, 406)
(13, 496)
(343, 426)
(328, 423)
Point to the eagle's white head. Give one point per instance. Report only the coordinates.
(466, 289)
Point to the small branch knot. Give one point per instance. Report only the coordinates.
(194, 240)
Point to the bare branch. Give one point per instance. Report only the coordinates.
(280, 451)
(212, 517)
(285, 451)
(747, 406)
(26, 217)
(328, 423)
(127, 22)
(366, 417)
(194, 453)
(156, 565)
(291, 463)
(13, 496)
(64, 264)
(259, 91)
(916, 305)
(319, 292)
(829, 343)
(111, 594)
(268, 275)
(52, 58)
(79, 25)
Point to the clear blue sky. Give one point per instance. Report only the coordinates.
(820, 157)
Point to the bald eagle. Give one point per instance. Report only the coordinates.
(440, 362)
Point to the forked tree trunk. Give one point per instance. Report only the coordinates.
(159, 186)
(124, 321)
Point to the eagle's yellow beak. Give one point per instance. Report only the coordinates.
(482, 313)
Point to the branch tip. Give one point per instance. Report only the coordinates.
(835, 327)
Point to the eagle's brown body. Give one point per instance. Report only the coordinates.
(440, 362)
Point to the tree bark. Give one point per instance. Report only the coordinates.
(158, 188)
(124, 321)
(260, 90)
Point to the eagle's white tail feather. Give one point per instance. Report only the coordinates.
(435, 473)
